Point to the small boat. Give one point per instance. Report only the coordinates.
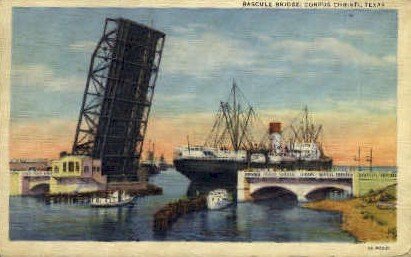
(218, 199)
(112, 200)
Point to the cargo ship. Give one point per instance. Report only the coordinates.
(233, 145)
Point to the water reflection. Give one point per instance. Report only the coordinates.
(285, 202)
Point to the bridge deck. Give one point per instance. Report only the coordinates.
(269, 173)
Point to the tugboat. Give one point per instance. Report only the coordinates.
(218, 199)
(115, 199)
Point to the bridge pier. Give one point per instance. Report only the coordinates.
(243, 188)
(302, 199)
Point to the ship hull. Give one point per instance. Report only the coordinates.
(209, 170)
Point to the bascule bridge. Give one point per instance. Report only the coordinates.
(117, 98)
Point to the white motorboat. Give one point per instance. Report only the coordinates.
(218, 199)
(112, 200)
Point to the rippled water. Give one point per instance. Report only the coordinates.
(31, 219)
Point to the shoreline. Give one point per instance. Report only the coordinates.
(364, 221)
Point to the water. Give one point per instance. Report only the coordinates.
(31, 219)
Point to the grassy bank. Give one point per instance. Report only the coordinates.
(371, 218)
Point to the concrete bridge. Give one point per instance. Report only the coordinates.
(306, 185)
(29, 182)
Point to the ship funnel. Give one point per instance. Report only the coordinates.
(275, 136)
(275, 127)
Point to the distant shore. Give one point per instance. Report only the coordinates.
(368, 219)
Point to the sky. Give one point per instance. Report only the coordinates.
(340, 63)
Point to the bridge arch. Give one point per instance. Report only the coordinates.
(39, 189)
(301, 191)
(327, 191)
(274, 191)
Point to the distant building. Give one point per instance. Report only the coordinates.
(29, 165)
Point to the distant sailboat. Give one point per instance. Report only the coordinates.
(150, 165)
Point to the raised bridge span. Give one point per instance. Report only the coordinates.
(307, 185)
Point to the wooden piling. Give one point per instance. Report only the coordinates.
(164, 217)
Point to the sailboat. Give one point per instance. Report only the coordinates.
(150, 165)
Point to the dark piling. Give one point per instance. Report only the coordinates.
(72, 198)
(164, 217)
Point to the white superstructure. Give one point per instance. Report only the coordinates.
(305, 151)
(112, 200)
(201, 152)
(208, 153)
(218, 199)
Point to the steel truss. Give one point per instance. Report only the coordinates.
(118, 96)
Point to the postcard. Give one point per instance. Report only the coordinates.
(244, 128)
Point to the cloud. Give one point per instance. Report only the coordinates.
(190, 28)
(204, 55)
(366, 107)
(390, 58)
(83, 46)
(278, 72)
(195, 51)
(354, 32)
(44, 138)
(326, 51)
(211, 52)
(175, 97)
(360, 108)
(38, 75)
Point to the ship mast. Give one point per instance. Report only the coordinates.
(235, 113)
(231, 129)
(307, 131)
(236, 117)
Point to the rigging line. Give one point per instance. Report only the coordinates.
(242, 96)
(215, 125)
(216, 135)
(260, 122)
(244, 126)
(222, 137)
(228, 120)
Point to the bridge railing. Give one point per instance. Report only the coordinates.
(266, 173)
(36, 173)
